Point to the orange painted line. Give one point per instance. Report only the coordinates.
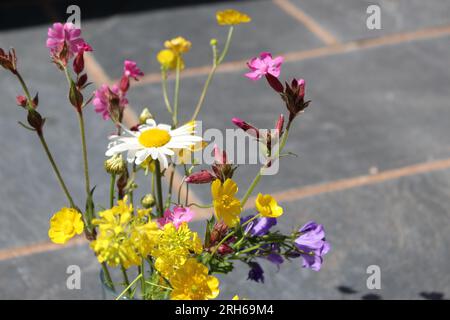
(312, 25)
(295, 56)
(359, 181)
(11, 253)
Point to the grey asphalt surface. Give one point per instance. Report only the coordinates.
(384, 107)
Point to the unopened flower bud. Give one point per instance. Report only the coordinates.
(200, 177)
(220, 157)
(78, 63)
(21, 101)
(35, 120)
(224, 249)
(280, 124)
(8, 60)
(115, 165)
(148, 201)
(124, 83)
(213, 42)
(251, 130)
(145, 115)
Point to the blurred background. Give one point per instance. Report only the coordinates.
(374, 147)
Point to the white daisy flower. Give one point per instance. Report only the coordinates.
(152, 140)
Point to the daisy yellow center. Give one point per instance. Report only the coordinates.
(154, 138)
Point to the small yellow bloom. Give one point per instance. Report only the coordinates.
(268, 206)
(124, 239)
(167, 58)
(185, 155)
(173, 247)
(192, 282)
(231, 17)
(178, 45)
(226, 205)
(236, 297)
(64, 225)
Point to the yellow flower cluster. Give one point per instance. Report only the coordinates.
(226, 205)
(231, 17)
(174, 250)
(168, 58)
(192, 282)
(124, 239)
(64, 225)
(173, 247)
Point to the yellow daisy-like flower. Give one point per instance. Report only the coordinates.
(192, 282)
(64, 225)
(178, 45)
(268, 206)
(167, 58)
(173, 247)
(231, 17)
(226, 205)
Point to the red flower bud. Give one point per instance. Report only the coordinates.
(274, 83)
(200, 177)
(21, 101)
(280, 124)
(124, 83)
(220, 157)
(224, 249)
(78, 62)
(251, 130)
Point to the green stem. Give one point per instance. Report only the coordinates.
(216, 63)
(177, 89)
(159, 188)
(227, 45)
(107, 276)
(169, 193)
(56, 170)
(249, 249)
(258, 176)
(111, 190)
(203, 95)
(164, 89)
(127, 289)
(125, 278)
(84, 150)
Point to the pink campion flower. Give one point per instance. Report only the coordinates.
(102, 100)
(263, 65)
(68, 34)
(130, 69)
(177, 216)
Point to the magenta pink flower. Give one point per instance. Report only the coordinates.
(68, 34)
(102, 100)
(130, 69)
(177, 217)
(264, 65)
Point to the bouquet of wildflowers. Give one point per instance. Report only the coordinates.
(149, 241)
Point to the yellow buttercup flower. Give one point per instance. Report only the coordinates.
(178, 45)
(173, 247)
(231, 17)
(268, 206)
(64, 225)
(192, 282)
(167, 58)
(226, 205)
